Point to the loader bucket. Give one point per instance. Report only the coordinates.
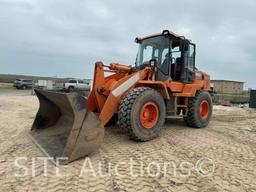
(64, 128)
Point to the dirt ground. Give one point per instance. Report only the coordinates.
(221, 157)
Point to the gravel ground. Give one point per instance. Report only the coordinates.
(221, 157)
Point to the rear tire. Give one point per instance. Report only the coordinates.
(199, 110)
(142, 113)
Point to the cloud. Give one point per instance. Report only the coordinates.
(65, 37)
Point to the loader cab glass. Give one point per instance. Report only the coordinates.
(188, 62)
(175, 57)
(156, 48)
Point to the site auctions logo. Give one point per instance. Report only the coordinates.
(133, 167)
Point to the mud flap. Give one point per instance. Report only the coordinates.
(63, 128)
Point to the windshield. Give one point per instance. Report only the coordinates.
(72, 81)
(154, 48)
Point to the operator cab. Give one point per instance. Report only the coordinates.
(174, 55)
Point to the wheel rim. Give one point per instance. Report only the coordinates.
(149, 115)
(204, 109)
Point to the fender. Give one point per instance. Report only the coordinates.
(161, 86)
(120, 89)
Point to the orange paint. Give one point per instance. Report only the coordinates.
(149, 115)
(108, 90)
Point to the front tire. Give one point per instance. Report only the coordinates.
(71, 89)
(199, 110)
(142, 113)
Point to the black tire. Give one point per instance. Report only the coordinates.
(113, 120)
(71, 89)
(129, 113)
(193, 118)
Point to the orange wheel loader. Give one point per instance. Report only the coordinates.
(164, 82)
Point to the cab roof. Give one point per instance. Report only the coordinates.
(164, 32)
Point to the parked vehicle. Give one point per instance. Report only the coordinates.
(77, 84)
(23, 83)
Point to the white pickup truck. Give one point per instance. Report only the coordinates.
(77, 84)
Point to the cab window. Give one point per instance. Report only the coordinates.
(191, 57)
(164, 55)
(72, 81)
(176, 53)
(147, 53)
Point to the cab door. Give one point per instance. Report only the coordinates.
(188, 59)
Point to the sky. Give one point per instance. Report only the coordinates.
(64, 38)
